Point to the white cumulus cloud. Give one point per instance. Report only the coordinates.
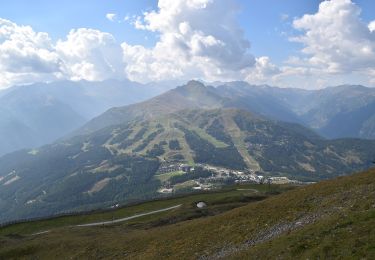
(371, 26)
(335, 38)
(91, 55)
(111, 17)
(263, 71)
(25, 55)
(198, 38)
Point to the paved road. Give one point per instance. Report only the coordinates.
(127, 218)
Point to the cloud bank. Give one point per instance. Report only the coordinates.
(335, 39)
(27, 56)
(196, 39)
(337, 47)
(91, 55)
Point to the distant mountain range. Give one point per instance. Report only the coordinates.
(38, 114)
(334, 112)
(116, 156)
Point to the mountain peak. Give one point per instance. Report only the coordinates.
(196, 89)
(192, 86)
(194, 83)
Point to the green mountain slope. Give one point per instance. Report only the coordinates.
(122, 163)
(329, 220)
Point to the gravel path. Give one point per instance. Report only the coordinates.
(40, 233)
(116, 220)
(128, 218)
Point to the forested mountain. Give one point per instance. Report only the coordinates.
(119, 163)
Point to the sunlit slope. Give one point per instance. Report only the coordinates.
(331, 219)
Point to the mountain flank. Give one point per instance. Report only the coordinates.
(169, 154)
(331, 219)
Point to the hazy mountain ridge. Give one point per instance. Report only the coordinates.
(28, 113)
(334, 112)
(37, 114)
(194, 95)
(343, 111)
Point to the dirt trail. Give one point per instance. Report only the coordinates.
(127, 218)
(116, 220)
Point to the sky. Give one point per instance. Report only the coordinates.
(289, 43)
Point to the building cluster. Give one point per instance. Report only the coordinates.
(224, 173)
(219, 174)
(166, 168)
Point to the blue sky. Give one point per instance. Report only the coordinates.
(59, 17)
(261, 20)
(267, 24)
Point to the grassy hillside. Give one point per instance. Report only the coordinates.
(331, 219)
(224, 199)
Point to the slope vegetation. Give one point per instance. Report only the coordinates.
(121, 163)
(331, 219)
